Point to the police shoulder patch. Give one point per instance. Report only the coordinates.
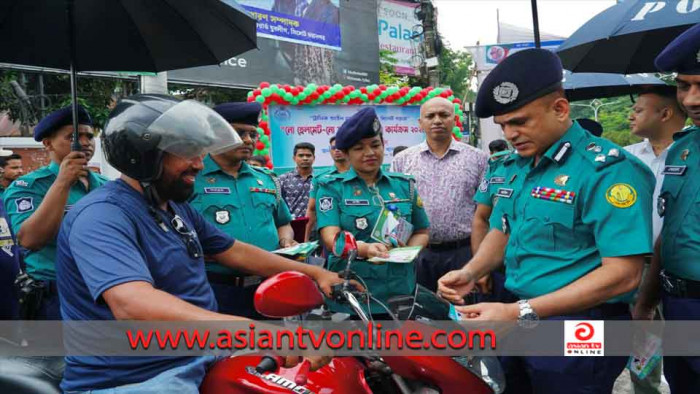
(325, 204)
(24, 204)
(621, 195)
(21, 182)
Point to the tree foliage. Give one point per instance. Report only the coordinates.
(613, 115)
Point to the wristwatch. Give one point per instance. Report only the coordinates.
(528, 317)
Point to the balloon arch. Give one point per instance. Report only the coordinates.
(313, 94)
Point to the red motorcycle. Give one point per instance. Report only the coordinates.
(291, 294)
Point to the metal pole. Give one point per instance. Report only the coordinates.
(535, 24)
(75, 146)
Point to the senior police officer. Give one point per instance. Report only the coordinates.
(37, 201)
(134, 250)
(572, 224)
(246, 203)
(674, 275)
(354, 200)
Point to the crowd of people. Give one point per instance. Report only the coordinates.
(557, 223)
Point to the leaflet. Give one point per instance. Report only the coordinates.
(399, 255)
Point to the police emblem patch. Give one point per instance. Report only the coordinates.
(684, 154)
(325, 204)
(376, 126)
(21, 182)
(621, 195)
(24, 204)
(222, 217)
(484, 185)
(211, 180)
(505, 93)
(561, 180)
(361, 223)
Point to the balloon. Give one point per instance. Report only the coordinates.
(262, 125)
(250, 99)
(288, 97)
(337, 86)
(455, 130)
(264, 84)
(327, 95)
(364, 97)
(295, 101)
(264, 116)
(314, 96)
(266, 92)
(264, 151)
(269, 165)
(259, 145)
(311, 86)
(260, 99)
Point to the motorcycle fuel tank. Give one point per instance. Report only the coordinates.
(237, 375)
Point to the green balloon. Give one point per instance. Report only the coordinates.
(288, 97)
(294, 101)
(364, 97)
(451, 98)
(354, 94)
(264, 116)
(260, 131)
(378, 99)
(266, 92)
(264, 139)
(250, 93)
(260, 99)
(264, 152)
(337, 86)
(311, 86)
(327, 95)
(346, 99)
(455, 130)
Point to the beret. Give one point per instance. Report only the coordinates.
(682, 55)
(591, 125)
(57, 119)
(245, 113)
(518, 80)
(363, 124)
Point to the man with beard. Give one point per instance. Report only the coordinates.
(134, 249)
(674, 274)
(37, 202)
(340, 165)
(246, 203)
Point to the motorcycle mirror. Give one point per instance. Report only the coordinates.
(272, 298)
(344, 243)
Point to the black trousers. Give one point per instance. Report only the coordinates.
(432, 264)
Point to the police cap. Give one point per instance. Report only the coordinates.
(57, 119)
(518, 80)
(244, 113)
(363, 124)
(682, 55)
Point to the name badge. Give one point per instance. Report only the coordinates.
(504, 193)
(356, 202)
(217, 190)
(497, 180)
(674, 170)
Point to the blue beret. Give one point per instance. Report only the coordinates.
(244, 113)
(363, 124)
(682, 55)
(57, 119)
(518, 80)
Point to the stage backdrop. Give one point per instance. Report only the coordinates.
(290, 125)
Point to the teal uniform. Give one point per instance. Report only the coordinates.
(23, 197)
(586, 199)
(345, 201)
(493, 178)
(678, 205)
(249, 208)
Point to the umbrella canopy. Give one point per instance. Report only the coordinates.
(123, 35)
(584, 86)
(626, 37)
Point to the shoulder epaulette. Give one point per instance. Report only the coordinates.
(601, 153)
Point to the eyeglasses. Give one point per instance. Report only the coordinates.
(194, 249)
(253, 135)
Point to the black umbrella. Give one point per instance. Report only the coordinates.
(584, 86)
(122, 35)
(626, 37)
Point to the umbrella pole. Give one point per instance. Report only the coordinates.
(75, 146)
(535, 24)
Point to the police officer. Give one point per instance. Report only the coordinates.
(246, 203)
(9, 263)
(674, 275)
(572, 224)
(340, 165)
(352, 201)
(37, 201)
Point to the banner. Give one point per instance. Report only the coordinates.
(279, 60)
(290, 125)
(314, 22)
(397, 24)
(487, 57)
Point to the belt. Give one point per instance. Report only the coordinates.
(450, 244)
(679, 287)
(234, 280)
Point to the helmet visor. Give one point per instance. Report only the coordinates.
(190, 129)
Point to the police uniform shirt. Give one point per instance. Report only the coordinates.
(585, 200)
(24, 196)
(678, 205)
(249, 208)
(9, 268)
(491, 181)
(110, 238)
(345, 201)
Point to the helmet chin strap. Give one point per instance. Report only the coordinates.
(151, 194)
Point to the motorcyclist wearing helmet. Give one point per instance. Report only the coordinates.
(134, 249)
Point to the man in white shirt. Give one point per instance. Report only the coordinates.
(656, 116)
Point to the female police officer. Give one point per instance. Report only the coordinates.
(353, 201)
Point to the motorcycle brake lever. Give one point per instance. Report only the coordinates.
(269, 364)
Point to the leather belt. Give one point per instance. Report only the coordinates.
(234, 280)
(450, 244)
(679, 287)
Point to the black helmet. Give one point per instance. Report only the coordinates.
(142, 127)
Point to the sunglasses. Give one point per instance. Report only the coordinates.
(194, 249)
